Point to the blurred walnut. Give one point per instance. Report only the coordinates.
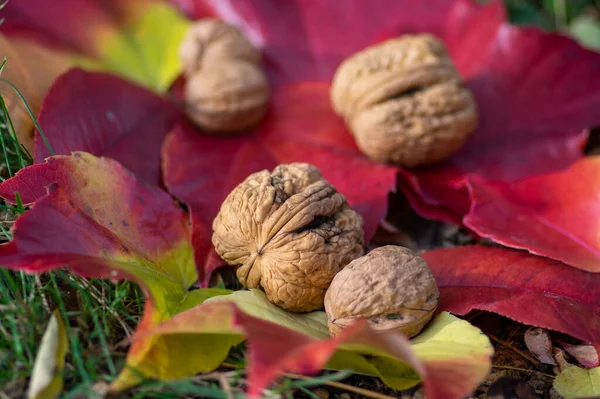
(212, 41)
(404, 101)
(390, 286)
(226, 90)
(288, 231)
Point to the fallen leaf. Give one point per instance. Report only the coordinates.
(526, 288)
(538, 342)
(138, 40)
(46, 378)
(201, 170)
(97, 219)
(575, 382)
(585, 354)
(532, 115)
(100, 221)
(526, 125)
(120, 120)
(447, 351)
(31, 69)
(554, 214)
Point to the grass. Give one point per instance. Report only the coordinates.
(100, 315)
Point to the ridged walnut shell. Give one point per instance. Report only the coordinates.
(288, 232)
(213, 41)
(226, 90)
(404, 101)
(391, 287)
(227, 97)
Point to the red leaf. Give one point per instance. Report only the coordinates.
(99, 221)
(531, 112)
(201, 170)
(119, 120)
(49, 22)
(554, 215)
(273, 349)
(526, 288)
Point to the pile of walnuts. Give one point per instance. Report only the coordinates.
(289, 232)
(402, 100)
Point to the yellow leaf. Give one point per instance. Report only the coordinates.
(145, 49)
(46, 378)
(576, 382)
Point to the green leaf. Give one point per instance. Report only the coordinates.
(586, 29)
(255, 303)
(146, 48)
(576, 382)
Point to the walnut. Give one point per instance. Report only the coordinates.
(226, 90)
(288, 232)
(391, 287)
(404, 101)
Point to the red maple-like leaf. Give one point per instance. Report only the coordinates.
(300, 127)
(554, 215)
(119, 120)
(532, 113)
(526, 288)
(99, 220)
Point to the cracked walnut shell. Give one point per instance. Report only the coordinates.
(404, 101)
(391, 287)
(288, 232)
(226, 90)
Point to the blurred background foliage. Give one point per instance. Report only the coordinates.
(577, 18)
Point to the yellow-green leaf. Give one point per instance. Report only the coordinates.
(576, 382)
(255, 303)
(145, 48)
(46, 378)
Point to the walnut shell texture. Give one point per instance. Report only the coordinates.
(227, 97)
(391, 287)
(210, 41)
(404, 101)
(226, 89)
(289, 232)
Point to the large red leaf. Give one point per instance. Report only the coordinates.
(526, 288)
(554, 215)
(99, 221)
(300, 127)
(106, 116)
(532, 112)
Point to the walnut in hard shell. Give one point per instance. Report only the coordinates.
(404, 101)
(288, 232)
(210, 41)
(226, 89)
(390, 286)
